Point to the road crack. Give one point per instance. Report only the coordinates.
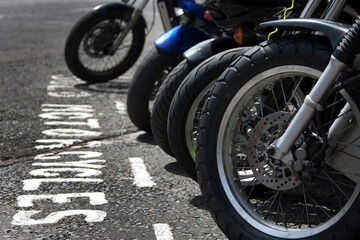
(9, 160)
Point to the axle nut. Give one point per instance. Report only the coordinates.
(270, 150)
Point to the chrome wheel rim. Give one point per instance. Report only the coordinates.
(267, 212)
(193, 117)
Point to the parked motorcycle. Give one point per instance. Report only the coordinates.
(240, 26)
(184, 112)
(285, 116)
(166, 54)
(107, 41)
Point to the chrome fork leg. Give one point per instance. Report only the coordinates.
(134, 18)
(341, 122)
(303, 117)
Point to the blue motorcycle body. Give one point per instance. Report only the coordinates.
(184, 36)
(193, 8)
(180, 38)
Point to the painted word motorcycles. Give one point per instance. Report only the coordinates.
(70, 124)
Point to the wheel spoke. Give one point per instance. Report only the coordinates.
(282, 211)
(261, 107)
(275, 99)
(272, 198)
(336, 185)
(316, 204)
(296, 88)
(306, 207)
(337, 182)
(284, 96)
(317, 214)
(252, 183)
(342, 149)
(271, 204)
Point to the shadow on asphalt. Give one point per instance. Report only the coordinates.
(108, 87)
(175, 168)
(146, 138)
(198, 202)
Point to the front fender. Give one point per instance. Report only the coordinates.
(180, 38)
(208, 48)
(117, 8)
(332, 30)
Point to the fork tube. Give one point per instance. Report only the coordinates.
(341, 122)
(342, 57)
(310, 8)
(164, 15)
(334, 10)
(306, 112)
(134, 19)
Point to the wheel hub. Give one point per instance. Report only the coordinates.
(271, 172)
(99, 41)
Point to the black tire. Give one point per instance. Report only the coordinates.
(89, 61)
(159, 114)
(145, 84)
(190, 95)
(234, 211)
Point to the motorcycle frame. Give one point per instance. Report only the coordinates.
(137, 13)
(210, 47)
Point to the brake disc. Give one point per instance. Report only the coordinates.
(271, 172)
(99, 39)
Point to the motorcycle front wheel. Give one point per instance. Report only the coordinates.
(163, 98)
(87, 49)
(145, 84)
(249, 108)
(186, 103)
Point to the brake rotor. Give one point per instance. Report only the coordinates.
(271, 172)
(100, 39)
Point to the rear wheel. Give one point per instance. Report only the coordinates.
(249, 108)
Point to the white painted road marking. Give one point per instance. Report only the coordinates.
(57, 143)
(92, 123)
(162, 231)
(81, 154)
(63, 115)
(34, 184)
(54, 172)
(141, 176)
(69, 132)
(121, 107)
(95, 198)
(83, 163)
(24, 217)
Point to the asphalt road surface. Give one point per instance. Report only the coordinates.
(96, 178)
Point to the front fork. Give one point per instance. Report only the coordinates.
(342, 57)
(134, 19)
(303, 117)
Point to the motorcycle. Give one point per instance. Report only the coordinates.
(240, 26)
(167, 53)
(286, 116)
(185, 108)
(107, 41)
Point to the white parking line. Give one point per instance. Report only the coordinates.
(121, 107)
(141, 176)
(162, 231)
